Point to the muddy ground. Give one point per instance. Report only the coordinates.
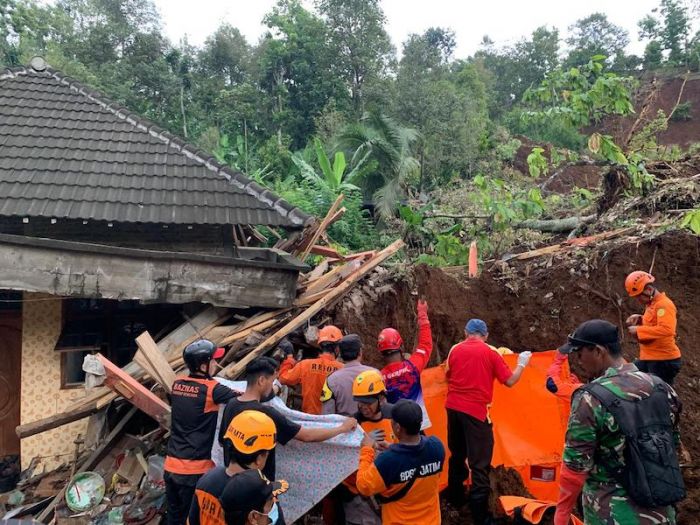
(533, 305)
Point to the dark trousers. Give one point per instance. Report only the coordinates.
(470, 440)
(666, 370)
(179, 491)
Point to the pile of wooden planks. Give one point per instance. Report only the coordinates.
(245, 339)
(147, 380)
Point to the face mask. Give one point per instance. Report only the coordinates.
(274, 514)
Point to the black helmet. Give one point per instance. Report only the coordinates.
(199, 353)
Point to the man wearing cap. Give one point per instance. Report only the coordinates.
(195, 401)
(374, 416)
(312, 373)
(595, 455)
(471, 369)
(405, 478)
(655, 329)
(249, 498)
(337, 392)
(249, 439)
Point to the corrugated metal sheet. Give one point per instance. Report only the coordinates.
(67, 151)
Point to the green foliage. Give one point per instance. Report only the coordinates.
(381, 140)
(605, 146)
(668, 31)
(582, 197)
(537, 163)
(333, 178)
(359, 42)
(683, 112)
(449, 251)
(555, 129)
(595, 35)
(504, 204)
(581, 96)
(691, 220)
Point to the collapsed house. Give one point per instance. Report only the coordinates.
(118, 240)
(110, 226)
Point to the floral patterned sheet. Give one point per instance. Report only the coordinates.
(311, 469)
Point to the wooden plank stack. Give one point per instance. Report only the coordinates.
(157, 363)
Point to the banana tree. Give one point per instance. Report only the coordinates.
(332, 178)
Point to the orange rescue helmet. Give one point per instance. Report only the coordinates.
(389, 340)
(329, 334)
(252, 431)
(368, 384)
(637, 281)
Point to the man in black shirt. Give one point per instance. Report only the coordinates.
(195, 401)
(260, 376)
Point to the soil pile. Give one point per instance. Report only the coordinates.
(533, 305)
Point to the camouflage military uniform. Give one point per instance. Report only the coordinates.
(595, 444)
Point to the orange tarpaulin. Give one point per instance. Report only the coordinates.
(532, 510)
(527, 422)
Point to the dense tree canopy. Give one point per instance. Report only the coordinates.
(323, 102)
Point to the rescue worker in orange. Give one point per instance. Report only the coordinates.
(402, 376)
(249, 439)
(405, 478)
(312, 373)
(655, 329)
(195, 401)
(374, 416)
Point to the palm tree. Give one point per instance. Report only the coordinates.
(333, 178)
(383, 140)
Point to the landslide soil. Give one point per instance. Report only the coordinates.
(534, 305)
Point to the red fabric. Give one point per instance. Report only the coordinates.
(424, 349)
(471, 368)
(570, 486)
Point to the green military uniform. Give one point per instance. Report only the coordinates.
(595, 444)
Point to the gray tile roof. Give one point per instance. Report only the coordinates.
(66, 151)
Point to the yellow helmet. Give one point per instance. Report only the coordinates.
(252, 431)
(368, 384)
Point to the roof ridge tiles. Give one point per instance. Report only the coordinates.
(191, 151)
(133, 121)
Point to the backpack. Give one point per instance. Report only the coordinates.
(651, 474)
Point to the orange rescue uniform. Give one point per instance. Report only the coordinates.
(312, 374)
(405, 479)
(657, 332)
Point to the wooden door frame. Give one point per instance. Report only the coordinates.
(13, 319)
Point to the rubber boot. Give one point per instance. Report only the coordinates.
(480, 512)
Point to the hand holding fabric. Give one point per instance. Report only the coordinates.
(524, 358)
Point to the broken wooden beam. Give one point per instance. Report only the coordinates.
(135, 393)
(324, 251)
(242, 334)
(330, 279)
(172, 346)
(322, 227)
(235, 369)
(57, 420)
(157, 361)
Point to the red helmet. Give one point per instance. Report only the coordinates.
(389, 340)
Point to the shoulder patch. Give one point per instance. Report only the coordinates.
(660, 312)
(326, 393)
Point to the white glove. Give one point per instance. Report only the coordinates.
(524, 358)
